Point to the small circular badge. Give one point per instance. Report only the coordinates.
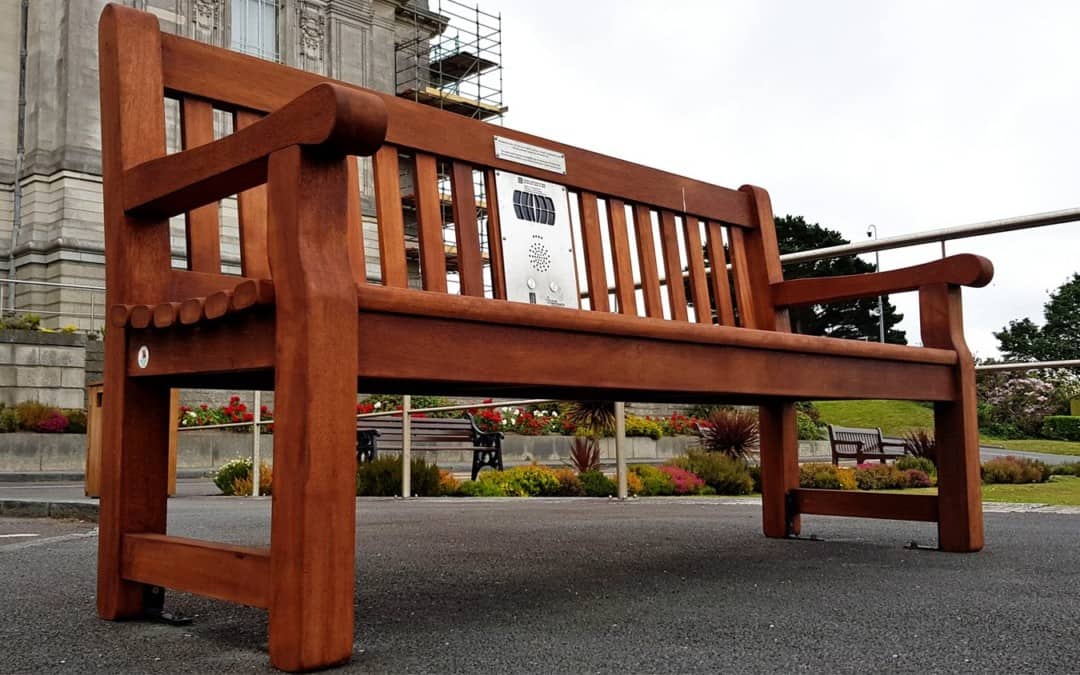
(144, 356)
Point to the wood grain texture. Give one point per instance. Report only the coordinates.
(620, 257)
(669, 245)
(695, 256)
(494, 228)
(429, 228)
(391, 223)
(251, 205)
(466, 231)
(224, 571)
(956, 427)
(718, 274)
(593, 252)
(959, 270)
(313, 522)
(246, 82)
(866, 504)
(203, 228)
(165, 314)
(646, 249)
(779, 441)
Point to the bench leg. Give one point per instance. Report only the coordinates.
(960, 518)
(313, 526)
(134, 474)
(779, 467)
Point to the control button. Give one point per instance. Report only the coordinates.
(554, 287)
(531, 283)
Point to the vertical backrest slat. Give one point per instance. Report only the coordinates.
(391, 223)
(495, 249)
(721, 287)
(646, 248)
(429, 213)
(467, 234)
(620, 257)
(254, 258)
(740, 271)
(203, 227)
(669, 244)
(695, 256)
(593, 250)
(354, 230)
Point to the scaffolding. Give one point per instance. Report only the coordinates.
(450, 57)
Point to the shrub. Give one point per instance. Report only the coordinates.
(234, 477)
(915, 478)
(921, 443)
(584, 454)
(723, 474)
(9, 420)
(242, 486)
(879, 477)
(923, 464)
(634, 484)
(679, 425)
(448, 485)
(569, 483)
(643, 426)
(755, 475)
(809, 430)
(596, 484)
(475, 488)
(1061, 427)
(1021, 401)
(821, 476)
(1069, 469)
(32, 413)
(846, 475)
(22, 322)
(531, 480)
(592, 418)
(731, 432)
(393, 402)
(654, 482)
(76, 420)
(55, 423)
(685, 482)
(381, 477)
(1011, 469)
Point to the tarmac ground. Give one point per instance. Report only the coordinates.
(587, 585)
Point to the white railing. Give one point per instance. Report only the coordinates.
(9, 302)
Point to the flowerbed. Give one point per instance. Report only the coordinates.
(41, 418)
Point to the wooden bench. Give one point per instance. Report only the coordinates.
(430, 434)
(304, 319)
(863, 444)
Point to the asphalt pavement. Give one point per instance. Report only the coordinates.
(574, 586)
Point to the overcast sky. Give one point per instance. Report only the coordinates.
(908, 115)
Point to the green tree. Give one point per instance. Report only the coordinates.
(1058, 339)
(854, 319)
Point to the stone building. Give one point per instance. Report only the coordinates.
(51, 218)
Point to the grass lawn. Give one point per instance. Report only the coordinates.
(1036, 445)
(895, 418)
(1059, 491)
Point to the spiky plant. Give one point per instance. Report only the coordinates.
(921, 443)
(594, 418)
(585, 454)
(730, 431)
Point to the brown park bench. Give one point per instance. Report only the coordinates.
(430, 434)
(863, 444)
(304, 319)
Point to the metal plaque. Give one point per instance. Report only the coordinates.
(538, 248)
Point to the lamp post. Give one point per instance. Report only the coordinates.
(871, 231)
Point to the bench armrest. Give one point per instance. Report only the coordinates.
(957, 270)
(480, 433)
(344, 121)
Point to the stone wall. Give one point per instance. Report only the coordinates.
(45, 367)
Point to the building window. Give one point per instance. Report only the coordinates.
(254, 28)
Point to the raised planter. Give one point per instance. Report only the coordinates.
(45, 367)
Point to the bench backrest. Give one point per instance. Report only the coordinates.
(422, 430)
(846, 438)
(671, 221)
